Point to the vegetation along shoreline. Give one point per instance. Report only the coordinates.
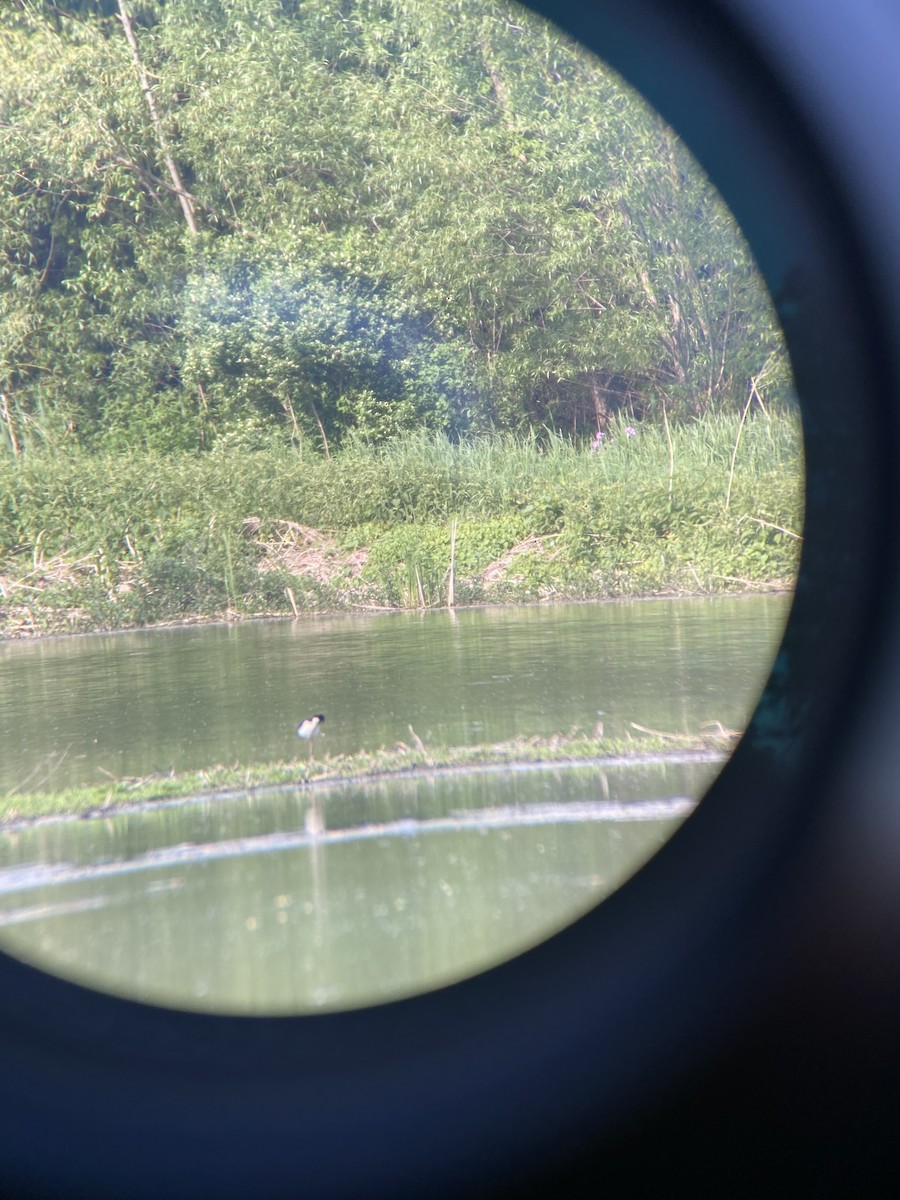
(401, 761)
(294, 373)
(128, 540)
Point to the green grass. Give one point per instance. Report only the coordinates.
(575, 747)
(113, 540)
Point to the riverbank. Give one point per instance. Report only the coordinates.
(113, 541)
(403, 760)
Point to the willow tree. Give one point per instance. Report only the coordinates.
(458, 184)
(92, 235)
(539, 208)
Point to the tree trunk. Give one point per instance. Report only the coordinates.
(184, 198)
(601, 408)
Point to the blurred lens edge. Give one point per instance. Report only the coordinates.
(782, 888)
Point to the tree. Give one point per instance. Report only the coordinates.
(494, 229)
(547, 214)
(322, 353)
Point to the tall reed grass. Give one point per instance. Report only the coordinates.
(637, 514)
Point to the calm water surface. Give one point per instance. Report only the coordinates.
(286, 903)
(304, 899)
(77, 710)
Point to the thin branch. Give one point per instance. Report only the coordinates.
(184, 198)
(325, 446)
(150, 181)
(772, 525)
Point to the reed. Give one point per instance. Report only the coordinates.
(135, 538)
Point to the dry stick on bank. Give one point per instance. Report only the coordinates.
(714, 730)
(49, 765)
(771, 525)
(184, 198)
(737, 442)
(292, 600)
(420, 746)
(754, 395)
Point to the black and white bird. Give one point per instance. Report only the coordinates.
(308, 728)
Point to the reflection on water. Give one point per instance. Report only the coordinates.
(304, 900)
(77, 710)
(316, 898)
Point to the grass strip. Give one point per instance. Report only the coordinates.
(401, 760)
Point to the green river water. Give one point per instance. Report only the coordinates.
(302, 899)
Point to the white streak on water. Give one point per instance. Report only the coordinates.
(27, 877)
(39, 912)
(402, 776)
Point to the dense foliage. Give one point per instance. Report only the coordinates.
(247, 221)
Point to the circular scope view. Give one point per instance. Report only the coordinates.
(400, 493)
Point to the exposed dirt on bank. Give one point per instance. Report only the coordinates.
(303, 551)
(316, 575)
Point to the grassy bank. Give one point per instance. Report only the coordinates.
(400, 761)
(111, 541)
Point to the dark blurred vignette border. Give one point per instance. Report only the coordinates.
(726, 1024)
